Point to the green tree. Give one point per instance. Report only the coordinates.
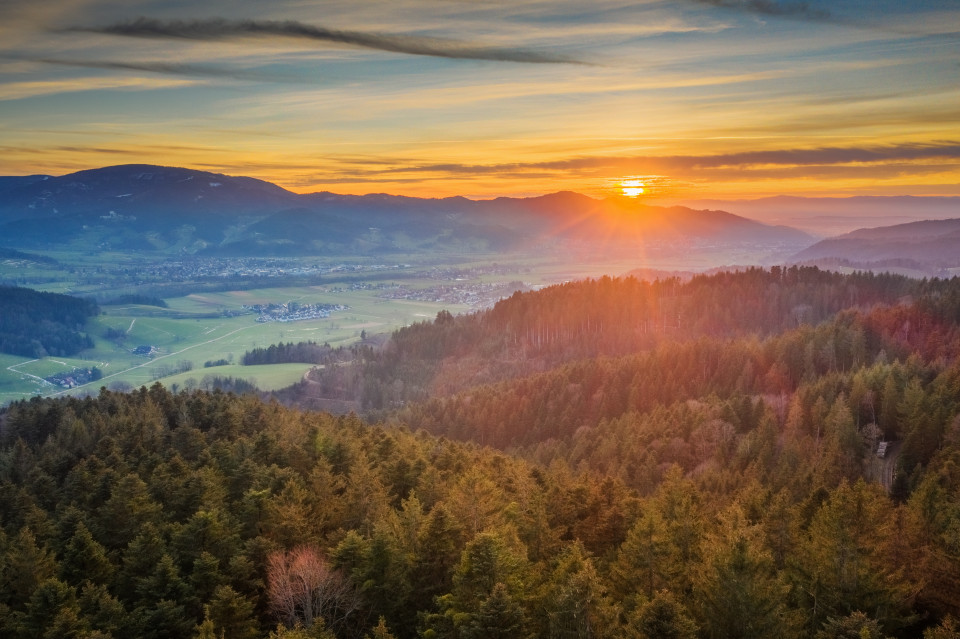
(85, 559)
(24, 567)
(440, 542)
(129, 508)
(842, 565)
(164, 582)
(739, 592)
(662, 617)
(679, 503)
(856, 625)
(499, 616)
(644, 559)
(232, 614)
(575, 598)
(103, 611)
(53, 612)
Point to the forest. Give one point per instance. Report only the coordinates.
(35, 324)
(610, 458)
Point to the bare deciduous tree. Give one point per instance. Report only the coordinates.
(302, 586)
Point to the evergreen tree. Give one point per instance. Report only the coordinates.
(662, 617)
(738, 591)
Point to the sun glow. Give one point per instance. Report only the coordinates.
(632, 188)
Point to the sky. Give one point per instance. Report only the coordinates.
(487, 98)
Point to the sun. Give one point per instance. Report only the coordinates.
(632, 188)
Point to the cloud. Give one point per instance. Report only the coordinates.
(874, 15)
(773, 8)
(170, 68)
(34, 88)
(789, 158)
(221, 29)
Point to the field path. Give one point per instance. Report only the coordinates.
(13, 369)
(132, 322)
(154, 360)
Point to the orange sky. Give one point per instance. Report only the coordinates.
(695, 98)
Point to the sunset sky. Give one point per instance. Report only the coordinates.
(690, 98)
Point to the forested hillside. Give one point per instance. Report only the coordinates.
(673, 474)
(35, 324)
(534, 332)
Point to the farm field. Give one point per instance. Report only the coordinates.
(208, 327)
(269, 377)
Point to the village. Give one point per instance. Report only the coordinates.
(75, 377)
(293, 311)
(476, 295)
(197, 268)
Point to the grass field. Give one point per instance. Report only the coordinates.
(193, 330)
(270, 377)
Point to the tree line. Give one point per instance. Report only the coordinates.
(36, 324)
(533, 332)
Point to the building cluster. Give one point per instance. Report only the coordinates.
(472, 294)
(74, 378)
(293, 311)
(192, 269)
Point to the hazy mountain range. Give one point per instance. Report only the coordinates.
(930, 243)
(830, 216)
(175, 210)
(141, 207)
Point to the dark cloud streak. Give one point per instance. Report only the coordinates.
(773, 8)
(826, 156)
(221, 29)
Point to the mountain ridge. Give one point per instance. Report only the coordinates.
(934, 243)
(831, 216)
(147, 207)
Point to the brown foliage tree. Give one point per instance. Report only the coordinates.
(302, 587)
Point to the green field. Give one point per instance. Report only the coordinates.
(198, 328)
(267, 378)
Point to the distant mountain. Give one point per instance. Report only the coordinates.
(829, 216)
(929, 243)
(176, 210)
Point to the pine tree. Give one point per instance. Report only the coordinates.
(232, 614)
(499, 616)
(85, 559)
(662, 617)
(739, 592)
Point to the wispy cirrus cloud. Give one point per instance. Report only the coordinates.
(824, 156)
(167, 68)
(222, 29)
(34, 88)
(896, 18)
(789, 8)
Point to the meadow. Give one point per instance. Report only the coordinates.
(208, 327)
